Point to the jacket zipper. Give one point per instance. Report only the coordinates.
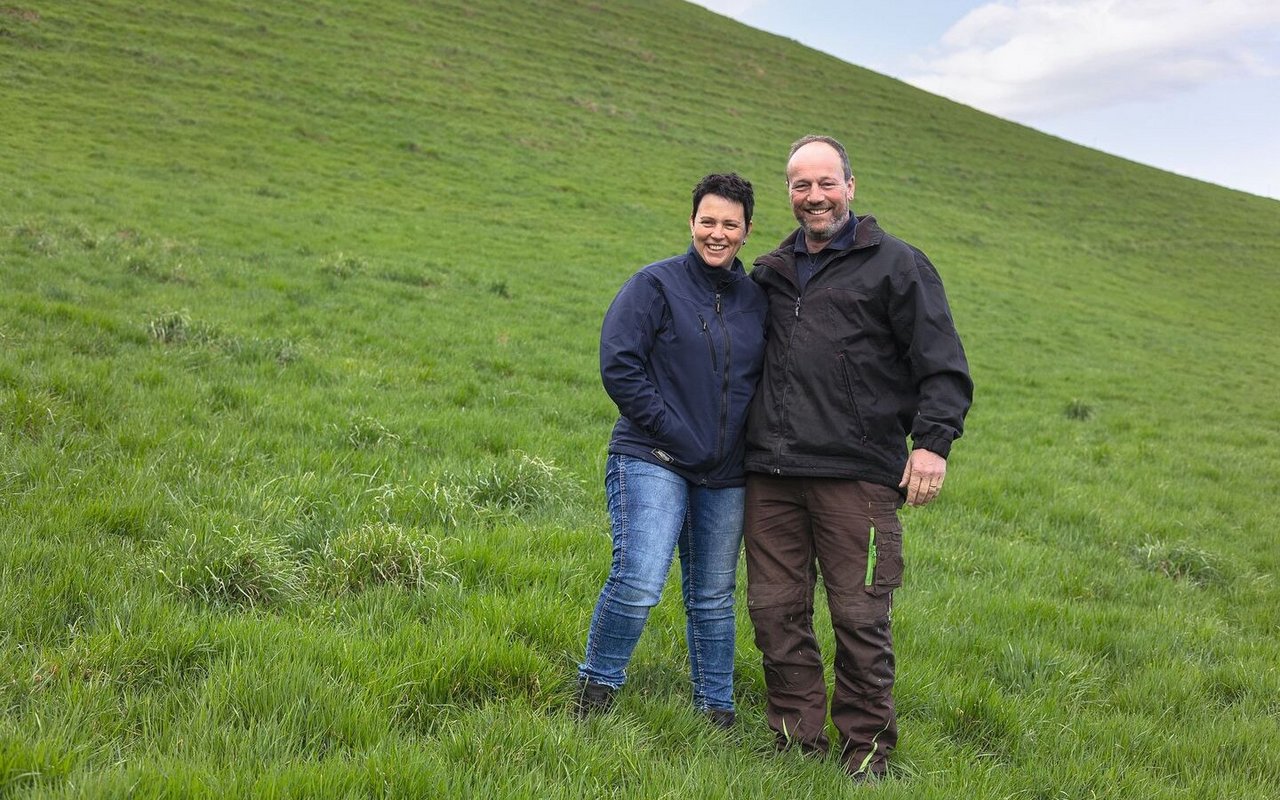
(724, 383)
(782, 412)
(848, 390)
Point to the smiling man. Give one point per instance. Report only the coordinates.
(821, 192)
(861, 353)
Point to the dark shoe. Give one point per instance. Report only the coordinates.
(592, 698)
(870, 767)
(869, 774)
(721, 717)
(812, 749)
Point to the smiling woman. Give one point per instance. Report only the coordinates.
(719, 227)
(680, 354)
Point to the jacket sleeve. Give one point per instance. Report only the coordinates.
(926, 334)
(627, 338)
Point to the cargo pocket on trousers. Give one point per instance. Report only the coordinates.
(884, 556)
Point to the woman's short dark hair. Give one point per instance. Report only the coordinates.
(730, 186)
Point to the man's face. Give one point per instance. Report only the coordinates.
(719, 228)
(820, 195)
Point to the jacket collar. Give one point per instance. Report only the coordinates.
(715, 278)
(843, 240)
(867, 233)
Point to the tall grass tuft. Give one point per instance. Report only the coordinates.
(236, 569)
(514, 487)
(344, 267)
(171, 327)
(380, 553)
(28, 412)
(1185, 561)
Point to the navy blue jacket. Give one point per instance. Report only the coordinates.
(681, 350)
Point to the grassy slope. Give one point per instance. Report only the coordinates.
(301, 439)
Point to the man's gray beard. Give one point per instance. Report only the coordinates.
(828, 234)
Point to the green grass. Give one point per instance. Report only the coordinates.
(301, 434)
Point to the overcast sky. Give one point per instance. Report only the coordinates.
(1189, 86)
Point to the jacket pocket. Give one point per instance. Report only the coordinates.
(852, 397)
(884, 556)
(711, 346)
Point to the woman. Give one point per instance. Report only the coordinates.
(680, 353)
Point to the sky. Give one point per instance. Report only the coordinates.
(1188, 86)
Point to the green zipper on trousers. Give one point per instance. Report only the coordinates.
(871, 557)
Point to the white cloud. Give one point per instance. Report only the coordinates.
(1038, 58)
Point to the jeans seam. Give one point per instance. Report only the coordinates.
(594, 636)
(695, 642)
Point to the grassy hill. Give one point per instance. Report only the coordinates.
(301, 434)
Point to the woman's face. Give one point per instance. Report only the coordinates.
(719, 228)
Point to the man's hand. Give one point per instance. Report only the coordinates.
(923, 476)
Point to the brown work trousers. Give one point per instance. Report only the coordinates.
(793, 528)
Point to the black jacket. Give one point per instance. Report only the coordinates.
(864, 355)
(680, 354)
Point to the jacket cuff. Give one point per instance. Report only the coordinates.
(934, 444)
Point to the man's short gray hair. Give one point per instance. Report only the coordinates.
(827, 140)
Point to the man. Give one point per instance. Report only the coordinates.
(861, 352)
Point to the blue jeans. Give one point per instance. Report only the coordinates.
(655, 513)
